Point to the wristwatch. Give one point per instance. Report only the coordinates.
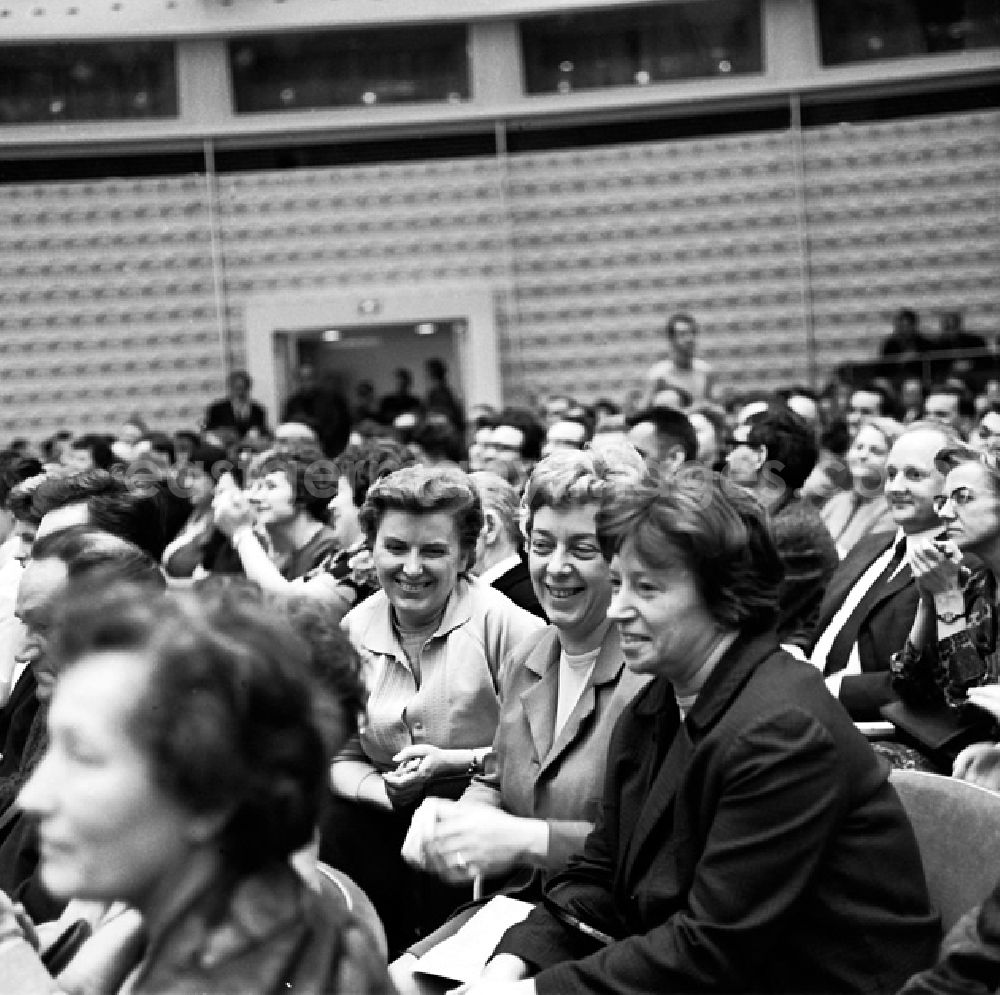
(950, 618)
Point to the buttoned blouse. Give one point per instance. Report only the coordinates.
(455, 703)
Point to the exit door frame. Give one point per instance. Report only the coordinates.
(471, 309)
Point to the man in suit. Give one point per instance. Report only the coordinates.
(236, 415)
(869, 604)
(499, 562)
(748, 838)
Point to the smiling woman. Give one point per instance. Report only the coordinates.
(433, 640)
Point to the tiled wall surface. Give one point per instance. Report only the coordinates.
(108, 290)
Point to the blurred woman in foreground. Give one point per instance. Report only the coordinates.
(186, 764)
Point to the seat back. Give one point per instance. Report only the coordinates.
(957, 825)
(337, 884)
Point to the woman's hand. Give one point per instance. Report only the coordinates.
(505, 974)
(470, 839)
(936, 566)
(232, 511)
(987, 698)
(979, 764)
(415, 766)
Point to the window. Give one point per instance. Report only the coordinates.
(350, 68)
(87, 82)
(861, 30)
(641, 45)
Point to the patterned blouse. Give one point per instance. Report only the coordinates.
(945, 670)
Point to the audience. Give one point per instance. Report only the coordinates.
(485, 740)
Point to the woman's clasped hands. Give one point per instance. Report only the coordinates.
(459, 841)
(936, 565)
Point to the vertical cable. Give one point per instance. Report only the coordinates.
(218, 264)
(802, 230)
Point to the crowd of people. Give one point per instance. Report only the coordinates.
(646, 667)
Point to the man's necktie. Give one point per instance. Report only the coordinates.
(840, 651)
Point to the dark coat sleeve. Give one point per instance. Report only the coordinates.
(970, 956)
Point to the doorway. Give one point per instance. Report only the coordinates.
(369, 335)
(349, 356)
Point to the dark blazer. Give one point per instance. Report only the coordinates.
(756, 847)
(516, 584)
(220, 414)
(883, 631)
(16, 719)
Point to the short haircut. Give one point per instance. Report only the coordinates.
(682, 317)
(672, 426)
(888, 428)
(213, 460)
(307, 470)
(949, 457)
(426, 490)
(966, 403)
(228, 717)
(92, 552)
(888, 407)
(160, 442)
(15, 468)
(76, 488)
(790, 443)
(569, 478)
(21, 499)
(529, 426)
(239, 375)
(717, 531)
(334, 664)
(361, 464)
(949, 436)
(99, 448)
(500, 497)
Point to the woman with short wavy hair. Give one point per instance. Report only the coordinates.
(433, 639)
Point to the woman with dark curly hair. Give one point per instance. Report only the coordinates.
(433, 639)
(277, 526)
(748, 838)
(187, 760)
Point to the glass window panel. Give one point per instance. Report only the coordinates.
(87, 82)
(861, 30)
(348, 68)
(641, 45)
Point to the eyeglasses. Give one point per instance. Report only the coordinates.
(959, 497)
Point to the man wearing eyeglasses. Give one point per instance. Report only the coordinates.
(870, 602)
